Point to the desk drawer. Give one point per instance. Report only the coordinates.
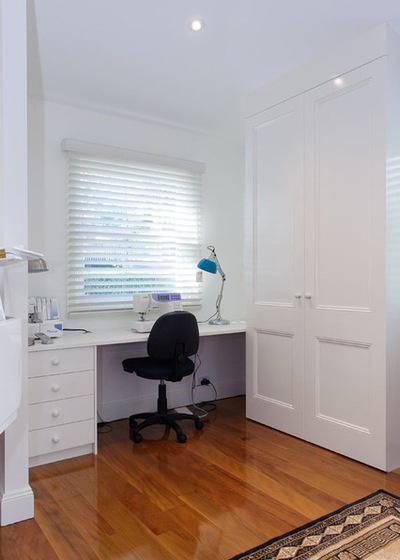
(55, 361)
(58, 387)
(56, 413)
(58, 438)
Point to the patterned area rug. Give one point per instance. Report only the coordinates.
(366, 529)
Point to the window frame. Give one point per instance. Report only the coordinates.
(81, 272)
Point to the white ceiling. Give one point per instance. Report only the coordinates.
(139, 57)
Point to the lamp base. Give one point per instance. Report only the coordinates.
(218, 321)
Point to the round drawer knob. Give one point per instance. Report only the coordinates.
(55, 361)
(55, 388)
(55, 439)
(55, 413)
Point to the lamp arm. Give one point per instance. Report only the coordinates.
(25, 253)
(214, 254)
(219, 298)
(222, 273)
(223, 276)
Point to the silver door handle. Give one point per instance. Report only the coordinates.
(307, 295)
(297, 295)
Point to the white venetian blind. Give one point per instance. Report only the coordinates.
(134, 226)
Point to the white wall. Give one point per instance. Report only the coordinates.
(223, 189)
(16, 497)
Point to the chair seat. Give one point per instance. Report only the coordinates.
(152, 368)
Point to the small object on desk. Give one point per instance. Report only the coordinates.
(44, 338)
(142, 326)
(168, 302)
(53, 329)
(77, 330)
(142, 304)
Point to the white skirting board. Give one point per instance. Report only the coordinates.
(16, 506)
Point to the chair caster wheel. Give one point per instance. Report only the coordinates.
(198, 425)
(137, 438)
(181, 438)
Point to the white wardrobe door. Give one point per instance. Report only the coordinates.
(344, 313)
(275, 196)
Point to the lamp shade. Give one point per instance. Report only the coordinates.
(36, 261)
(208, 266)
(37, 265)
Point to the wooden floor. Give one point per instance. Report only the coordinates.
(232, 486)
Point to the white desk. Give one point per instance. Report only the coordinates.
(125, 336)
(63, 386)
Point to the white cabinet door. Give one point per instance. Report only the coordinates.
(275, 321)
(316, 310)
(345, 270)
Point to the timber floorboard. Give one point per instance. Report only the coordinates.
(232, 486)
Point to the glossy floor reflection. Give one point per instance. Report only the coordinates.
(232, 486)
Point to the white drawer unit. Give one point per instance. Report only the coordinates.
(62, 404)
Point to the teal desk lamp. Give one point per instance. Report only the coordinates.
(211, 264)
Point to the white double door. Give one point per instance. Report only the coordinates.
(316, 319)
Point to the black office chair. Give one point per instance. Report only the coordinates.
(173, 338)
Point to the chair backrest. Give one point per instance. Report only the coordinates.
(174, 333)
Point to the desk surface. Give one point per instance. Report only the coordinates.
(125, 336)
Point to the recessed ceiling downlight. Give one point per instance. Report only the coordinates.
(196, 25)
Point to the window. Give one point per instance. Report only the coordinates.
(133, 226)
